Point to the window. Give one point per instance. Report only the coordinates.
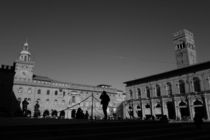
(56, 92)
(148, 92)
(64, 93)
(169, 88)
(73, 99)
(139, 92)
(131, 94)
(39, 91)
(20, 90)
(48, 92)
(196, 83)
(158, 92)
(47, 100)
(181, 87)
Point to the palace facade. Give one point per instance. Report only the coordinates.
(178, 93)
(54, 96)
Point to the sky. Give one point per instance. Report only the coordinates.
(101, 41)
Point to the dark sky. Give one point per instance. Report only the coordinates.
(101, 41)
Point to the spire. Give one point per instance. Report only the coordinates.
(25, 46)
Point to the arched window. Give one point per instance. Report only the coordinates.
(196, 83)
(73, 99)
(181, 87)
(139, 92)
(148, 92)
(169, 88)
(131, 94)
(39, 91)
(158, 92)
(25, 58)
(48, 92)
(56, 92)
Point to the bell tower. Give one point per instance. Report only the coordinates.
(184, 48)
(24, 66)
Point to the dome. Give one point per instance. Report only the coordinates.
(25, 52)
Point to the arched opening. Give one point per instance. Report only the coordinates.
(181, 87)
(184, 110)
(46, 114)
(196, 83)
(199, 108)
(158, 92)
(54, 114)
(171, 110)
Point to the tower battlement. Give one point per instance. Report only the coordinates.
(7, 68)
(182, 33)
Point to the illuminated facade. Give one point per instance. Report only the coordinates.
(55, 96)
(178, 93)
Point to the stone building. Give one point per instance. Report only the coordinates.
(54, 96)
(177, 93)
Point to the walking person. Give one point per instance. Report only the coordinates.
(24, 106)
(105, 102)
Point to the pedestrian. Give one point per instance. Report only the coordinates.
(73, 114)
(36, 110)
(24, 107)
(105, 102)
(86, 115)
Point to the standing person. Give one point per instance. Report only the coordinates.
(36, 110)
(104, 101)
(86, 115)
(24, 105)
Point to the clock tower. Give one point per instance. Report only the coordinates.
(24, 66)
(184, 48)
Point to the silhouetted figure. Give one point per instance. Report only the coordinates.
(79, 114)
(104, 101)
(86, 115)
(73, 114)
(36, 110)
(25, 105)
(62, 114)
(198, 119)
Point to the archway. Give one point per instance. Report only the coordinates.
(46, 114)
(171, 110)
(199, 108)
(184, 110)
(54, 113)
